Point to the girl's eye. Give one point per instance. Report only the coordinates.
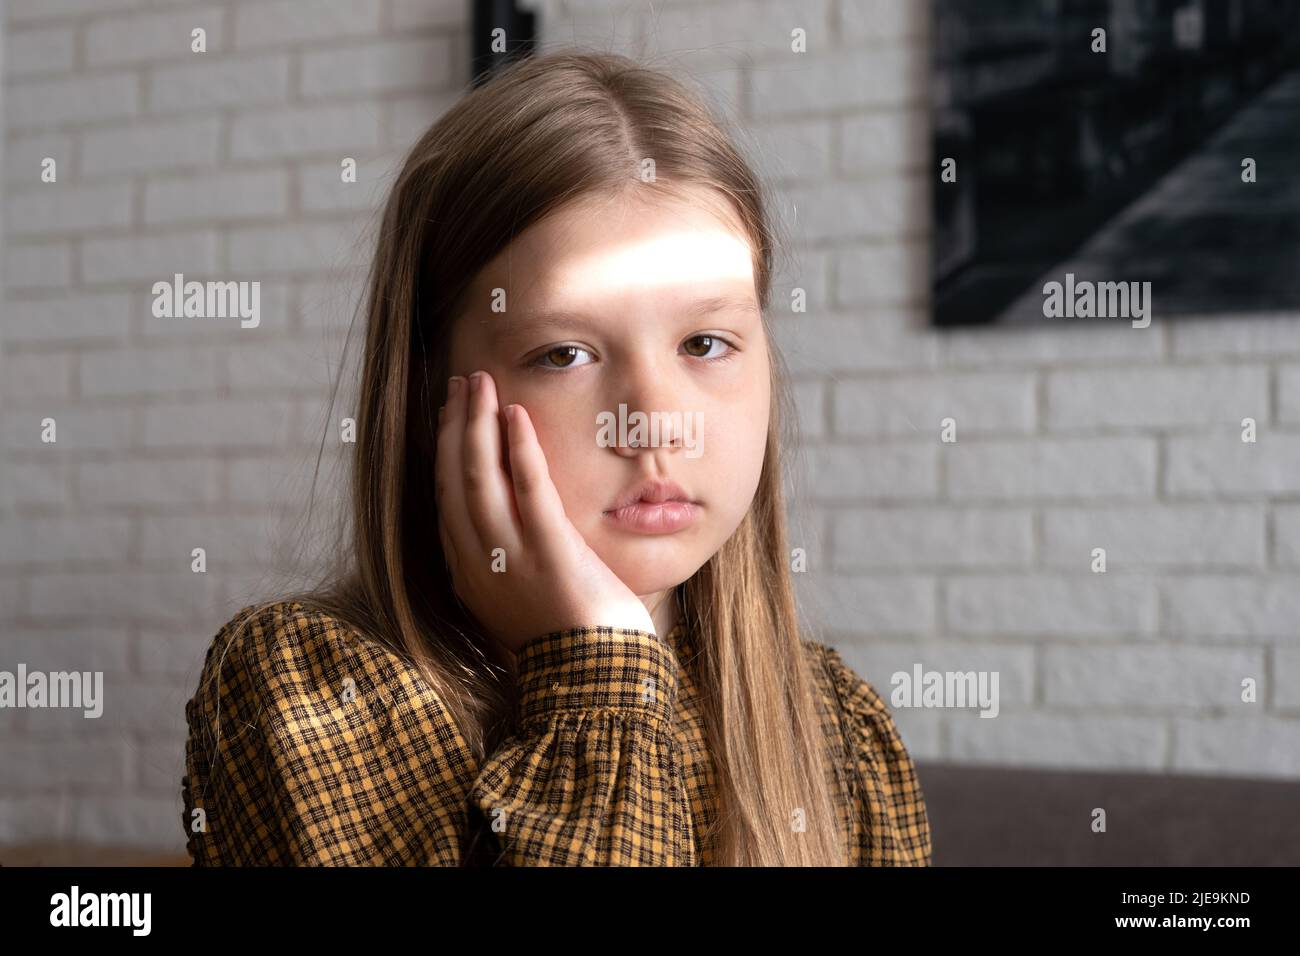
(561, 354)
(709, 341)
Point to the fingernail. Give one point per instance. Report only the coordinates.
(442, 412)
(476, 380)
(453, 384)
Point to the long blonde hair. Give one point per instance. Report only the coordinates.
(544, 131)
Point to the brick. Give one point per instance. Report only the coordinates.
(1223, 464)
(1058, 740)
(419, 14)
(1263, 336)
(147, 371)
(1042, 606)
(239, 82)
(793, 150)
(1288, 387)
(54, 208)
(321, 187)
(37, 485)
(291, 365)
(758, 26)
(22, 11)
(67, 538)
(1286, 536)
(383, 67)
(297, 21)
(37, 52)
(1155, 397)
(80, 99)
(832, 80)
(25, 154)
(177, 652)
(916, 405)
(860, 605)
(220, 197)
(1232, 607)
(46, 265)
(63, 763)
(1156, 536)
(883, 207)
(930, 538)
(152, 37)
(123, 595)
(148, 259)
(1254, 747)
(881, 472)
(274, 482)
(151, 147)
(881, 20)
(890, 273)
(810, 407)
(226, 424)
(896, 139)
(76, 430)
(878, 661)
(32, 380)
(407, 118)
(1050, 468)
(92, 647)
(1286, 679)
(227, 538)
(213, 332)
(1047, 344)
(815, 344)
(1163, 679)
(306, 131)
(69, 317)
(305, 247)
(182, 483)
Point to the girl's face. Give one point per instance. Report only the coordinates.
(649, 304)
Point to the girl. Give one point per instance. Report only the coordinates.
(543, 648)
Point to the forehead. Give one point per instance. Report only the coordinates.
(600, 250)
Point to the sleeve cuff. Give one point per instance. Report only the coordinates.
(585, 668)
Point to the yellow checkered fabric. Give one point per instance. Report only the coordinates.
(333, 750)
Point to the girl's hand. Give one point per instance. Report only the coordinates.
(552, 579)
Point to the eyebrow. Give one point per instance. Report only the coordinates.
(534, 319)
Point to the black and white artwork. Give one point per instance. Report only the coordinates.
(1114, 160)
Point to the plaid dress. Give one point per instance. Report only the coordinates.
(334, 751)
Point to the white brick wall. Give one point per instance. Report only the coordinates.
(968, 556)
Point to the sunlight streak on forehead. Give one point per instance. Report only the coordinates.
(682, 259)
(697, 272)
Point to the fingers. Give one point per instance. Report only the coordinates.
(487, 487)
(459, 539)
(541, 512)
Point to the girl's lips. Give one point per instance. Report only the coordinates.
(660, 517)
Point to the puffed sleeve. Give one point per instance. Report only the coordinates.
(891, 827)
(593, 775)
(310, 746)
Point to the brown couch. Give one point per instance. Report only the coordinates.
(1000, 816)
